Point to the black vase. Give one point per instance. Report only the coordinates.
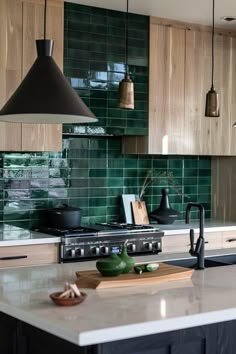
(164, 214)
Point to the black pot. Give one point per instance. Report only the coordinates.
(65, 217)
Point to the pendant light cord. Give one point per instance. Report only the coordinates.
(45, 19)
(212, 45)
(127, 35)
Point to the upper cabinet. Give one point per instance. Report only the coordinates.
(21, 22)
(179, 78)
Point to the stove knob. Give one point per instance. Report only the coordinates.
(148, 246)
(131, 247)
(95, 250)
(104, 250)
(157, 246)
(70, 253)
(79, 252)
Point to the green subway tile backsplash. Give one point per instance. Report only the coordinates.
(35, 181)
(94, 63)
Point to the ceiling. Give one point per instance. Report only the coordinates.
(194, 11)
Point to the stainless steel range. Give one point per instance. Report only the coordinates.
(101, 240)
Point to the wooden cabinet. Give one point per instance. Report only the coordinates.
(181, 243)
(10, 67)
(21, 22)
(18, 256)
(179, 78)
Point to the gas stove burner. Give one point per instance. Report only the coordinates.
(125, 226)
(66, 232)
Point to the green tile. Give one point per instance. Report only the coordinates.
(193, 181)
(115, 182)
(204, 172)
(115, 173)
(98, 202)
(205, 163)
(204, 180)
(131, 163)
(190, 172)
(175, 164)
(97, 173)
(191, 163)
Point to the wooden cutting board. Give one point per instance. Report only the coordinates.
(93, 279)
(140, 213)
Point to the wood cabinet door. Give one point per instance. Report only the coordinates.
(10, 67)
(206, 135)
(42, 137)
(166, 89)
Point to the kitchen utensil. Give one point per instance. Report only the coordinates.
(65, 217)
(164, 214)
(67, 301)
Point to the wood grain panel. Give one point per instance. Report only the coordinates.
(191, 26)
(10, 67)
(223, 188)
(36, 255)
(42, 137)
(180, 77)
(166, 89)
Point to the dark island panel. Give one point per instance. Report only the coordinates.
(17, 337)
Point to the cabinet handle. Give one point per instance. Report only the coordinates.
(12, 257)
(231, 240)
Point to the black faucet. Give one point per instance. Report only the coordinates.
(200, 245)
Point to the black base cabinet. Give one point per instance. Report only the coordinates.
(17, 337)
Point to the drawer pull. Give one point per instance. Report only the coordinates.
(231, 240)
(12, 257)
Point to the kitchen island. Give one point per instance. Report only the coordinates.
(194, 316)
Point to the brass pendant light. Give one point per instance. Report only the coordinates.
(212, 108)
(45, 95)
(126, 86)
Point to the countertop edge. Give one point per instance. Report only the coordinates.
(39, 241)
(155, 327)
(107, 335)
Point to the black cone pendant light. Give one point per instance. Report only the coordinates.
(126, 86)
(45, 95)
(212, 99)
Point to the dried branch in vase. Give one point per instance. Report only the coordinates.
(151, 175)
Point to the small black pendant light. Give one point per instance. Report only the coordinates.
(212, 98)
(126, 86)
(45, 95)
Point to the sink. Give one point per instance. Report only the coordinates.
(209, 262)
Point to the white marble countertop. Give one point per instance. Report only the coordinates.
(16, 236)
(121, 313)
